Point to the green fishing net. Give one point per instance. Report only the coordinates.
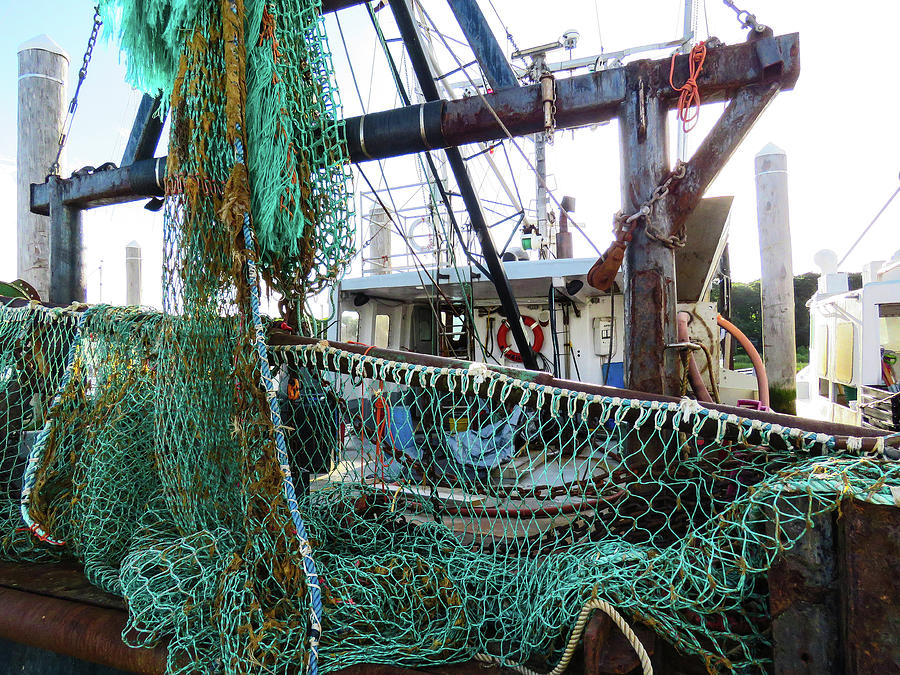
(453, 512)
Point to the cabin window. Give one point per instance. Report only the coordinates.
(350, 326)
(382, 330)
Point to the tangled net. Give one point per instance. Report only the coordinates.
(457, 511)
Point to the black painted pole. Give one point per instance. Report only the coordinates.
(481, 38)
(429, 89)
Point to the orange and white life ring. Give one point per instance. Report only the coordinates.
(537, 340)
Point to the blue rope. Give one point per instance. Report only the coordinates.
(290, 495)
(312, 577)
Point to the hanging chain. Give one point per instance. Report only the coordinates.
(747, 19)
(625, 225)
(73, 104)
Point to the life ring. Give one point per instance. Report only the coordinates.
(413, 235)
(536, 343)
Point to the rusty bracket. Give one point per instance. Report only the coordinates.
(716, 149)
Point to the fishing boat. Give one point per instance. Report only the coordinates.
(852, 375)
(526, 457)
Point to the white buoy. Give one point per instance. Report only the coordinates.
(133, 273)
(43, 72)
(777, 283)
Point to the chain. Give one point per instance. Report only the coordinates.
(73, 104)
(625, 225)
(747, 19)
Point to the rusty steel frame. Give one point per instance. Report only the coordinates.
(715, 150)
(841, 432)
(649, 289)
(862, 548)
(581, 100)
(77, 629)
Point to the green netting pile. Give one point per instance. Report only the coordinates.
(454, 512)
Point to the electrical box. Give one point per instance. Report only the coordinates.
(603, 334)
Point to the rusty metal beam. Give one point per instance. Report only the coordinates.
(86, 632)
(840, 431)
(481, 38)
(145, 132)
(144, 178)
(581, 100)
(335, 5)
(803, 596)
(869, 578)
(714, 152)
(649, 266)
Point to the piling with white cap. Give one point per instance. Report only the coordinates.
(43, 72)
(777, 282)
(133, 273)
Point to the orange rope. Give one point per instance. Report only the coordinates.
(689, 100)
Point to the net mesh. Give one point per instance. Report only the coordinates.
(455, 510)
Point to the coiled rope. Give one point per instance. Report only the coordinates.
(689, 100)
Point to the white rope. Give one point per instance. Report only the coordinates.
(580, 624)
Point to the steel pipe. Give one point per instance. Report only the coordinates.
(83, 631)
(840, 432)
(581, 100)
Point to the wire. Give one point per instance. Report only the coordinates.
(575, 361)
(509, 135)
(445, 197)
(869, 226)
(706, 18)
(509, 36)
(599, 32)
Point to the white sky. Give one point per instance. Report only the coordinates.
(838, 126)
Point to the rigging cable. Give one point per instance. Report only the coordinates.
(387, 211)
(551, 301)
(509, 36)
(869, 226)
(445, 197)
(599, 32)
(612, 333)
(509, 135)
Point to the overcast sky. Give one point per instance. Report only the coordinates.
(838, 126)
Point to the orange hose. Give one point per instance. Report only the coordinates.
(762, 380)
